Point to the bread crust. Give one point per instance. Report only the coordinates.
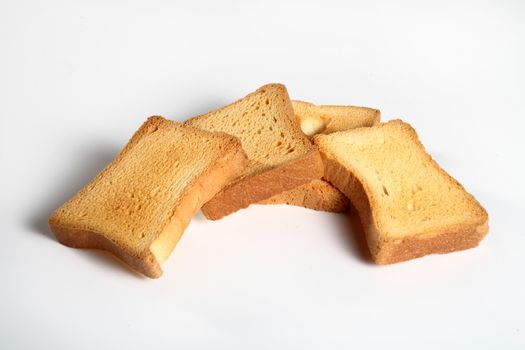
(386, 251)
(286, 173)
(84, 239)
(326, 119)
(389, 250)
(262, 186)
(317, 195)
(438, 242)
(197, 193)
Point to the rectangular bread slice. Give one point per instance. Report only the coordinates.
(408, 205)
(138, 207)
(324, 119)
(280, 156)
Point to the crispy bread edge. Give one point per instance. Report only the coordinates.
(262, 186)
(147, 263)
(388, 251)
(312, 197)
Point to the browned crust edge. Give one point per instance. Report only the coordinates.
(393, 251)
(84, 239)
(211, 181)
(389, 251)
(256, 188)
(377, 117)
(312, 197)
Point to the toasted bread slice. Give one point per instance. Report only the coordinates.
(408, 205)
(323, 119)
(317, 195)
(138, 206)
(280, 156)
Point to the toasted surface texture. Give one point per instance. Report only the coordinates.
(324, 119)
(280, 156)
(140, 204)
(408, 205)
(317, 195)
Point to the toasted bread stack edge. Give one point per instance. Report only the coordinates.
(280, 155)
(267, 149)
(408, 205)
(138, 207)
(324, 119)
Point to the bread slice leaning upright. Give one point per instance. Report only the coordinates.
(324, 119)
(138, 207)
(280, 156)
(408, 205)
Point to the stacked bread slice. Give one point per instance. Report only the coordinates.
(267, 149)
(320, 194)
(280, 156)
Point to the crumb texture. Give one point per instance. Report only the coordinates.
(280, 156)
(264, 123)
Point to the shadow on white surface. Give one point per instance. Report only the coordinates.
(106, 261)
(353, 237)
(199, 217)
(87, 166)
(347, 227)
(199, 104)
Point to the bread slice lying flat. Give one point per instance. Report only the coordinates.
(280, 156)
(320, 194)
(138, 206)
(408, 205)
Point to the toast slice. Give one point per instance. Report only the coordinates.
(408, 205)
(138, 206)
(280, 156)
(324, 119)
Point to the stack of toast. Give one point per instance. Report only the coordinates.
(267, 149)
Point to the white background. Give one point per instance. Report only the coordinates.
(76, 80)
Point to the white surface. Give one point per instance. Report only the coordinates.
(77, 78)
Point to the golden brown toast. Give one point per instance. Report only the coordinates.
(408, 205)
(324, 119)
(280, 156)
(138, 207)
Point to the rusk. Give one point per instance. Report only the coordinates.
(324, 119)
(138, 207)
(280, 156)
(408, 205)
